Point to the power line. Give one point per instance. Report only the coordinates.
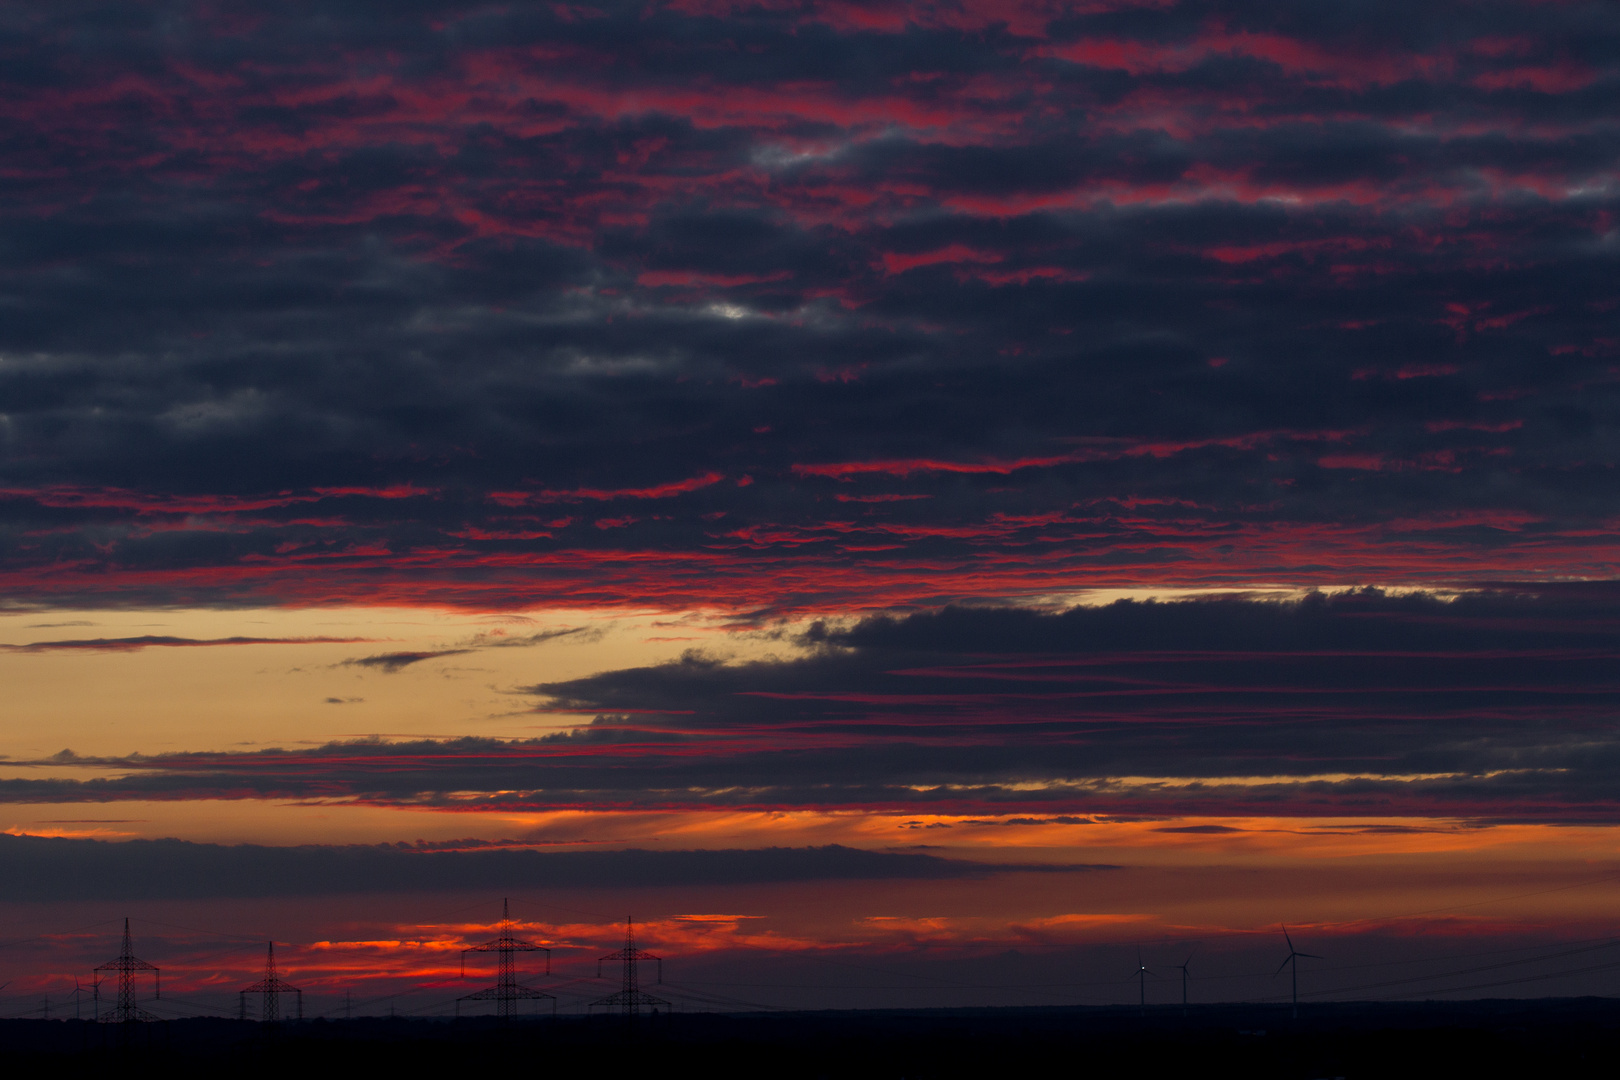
(1517, 982)
(905, 981)
(255, 939)
(55, 933)
(1466, 971)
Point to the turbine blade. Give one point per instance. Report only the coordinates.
(1311, 955)
(1284, 964)
(1287, 938)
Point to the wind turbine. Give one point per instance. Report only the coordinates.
(1141, 978)
(1183, 968)
(1294, 956)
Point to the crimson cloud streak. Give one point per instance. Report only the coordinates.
(797, 305)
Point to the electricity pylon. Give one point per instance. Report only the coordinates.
(127, 964)
(272, 987)
(630, 998)
(507, 990)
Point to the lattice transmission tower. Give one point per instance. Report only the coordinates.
(630, 998)
(507, 991)
(272, 986)
(127, 965)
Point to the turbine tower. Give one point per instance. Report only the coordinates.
(507, 990)
(272, 987)
(1294, 956)
(1141, 980)
(1182, 967)
(127, 964)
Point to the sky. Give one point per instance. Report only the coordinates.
(920, 504)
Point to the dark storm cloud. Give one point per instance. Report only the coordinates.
(769, 306)
(45, 869)
(1492, 705)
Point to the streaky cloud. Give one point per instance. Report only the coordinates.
(149, 641)
(1489, 706)
(394, 662)
(685, 306)
(39, 869)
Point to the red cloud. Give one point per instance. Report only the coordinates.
(657, 491)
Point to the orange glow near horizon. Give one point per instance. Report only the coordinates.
(1019, 880)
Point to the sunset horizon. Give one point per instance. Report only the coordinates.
(918, 505)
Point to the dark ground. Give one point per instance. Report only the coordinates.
(1546, 1038)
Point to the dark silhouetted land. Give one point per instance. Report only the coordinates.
(1553, 1037)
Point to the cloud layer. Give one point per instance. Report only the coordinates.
(1489, 706)
(43, 869)
(795, 305)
